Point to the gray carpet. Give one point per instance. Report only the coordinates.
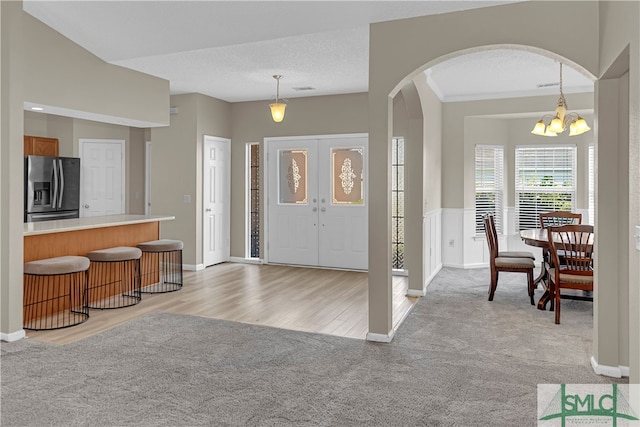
(458, 360)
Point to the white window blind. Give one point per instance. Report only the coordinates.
(545, 181)
(592, 185)
(489, 185)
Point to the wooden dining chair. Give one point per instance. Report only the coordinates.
(507, 254)
(503, 263)
(555, 218)
(576, 272)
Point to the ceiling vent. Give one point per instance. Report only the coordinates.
(541, 85)
(303, 88)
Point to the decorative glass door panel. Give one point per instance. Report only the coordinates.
(347, 187)
(293, 176)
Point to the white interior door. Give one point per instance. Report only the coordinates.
(216, 200)
(101, 177)
(317, 192)
(293, 202)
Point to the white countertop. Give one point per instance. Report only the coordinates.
(62, 225)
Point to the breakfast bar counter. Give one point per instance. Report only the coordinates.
(80, 236)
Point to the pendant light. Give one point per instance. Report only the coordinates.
(278, 107)
(559, 122)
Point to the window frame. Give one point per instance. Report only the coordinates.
(557, 168)
(495, 186)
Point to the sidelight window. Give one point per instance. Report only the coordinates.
(489, 185)
(253, 202)
(397, 203)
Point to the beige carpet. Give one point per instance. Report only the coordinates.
(458, 360)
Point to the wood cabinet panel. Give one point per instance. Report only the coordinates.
(41, 146)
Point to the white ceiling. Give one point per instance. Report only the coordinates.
(230, 49)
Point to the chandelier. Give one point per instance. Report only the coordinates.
(552, 125)
(278, 107)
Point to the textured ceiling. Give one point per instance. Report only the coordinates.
(230, 49)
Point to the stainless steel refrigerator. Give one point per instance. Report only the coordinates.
(51, 188)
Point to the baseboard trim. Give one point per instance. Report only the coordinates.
(477, 265)
(434, 273)
(13, 336)
(609, 371)
(385, 338)
(416, 292)
(192, 267)
(451, 265)
(242, 260)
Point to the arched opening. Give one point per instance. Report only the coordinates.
(448, 235)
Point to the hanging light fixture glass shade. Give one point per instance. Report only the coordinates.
(278, 107)
(561, 120)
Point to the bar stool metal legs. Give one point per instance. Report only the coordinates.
(55, 293)
(161, 265)
(114, 278)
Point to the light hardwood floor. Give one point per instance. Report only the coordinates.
(324, 301)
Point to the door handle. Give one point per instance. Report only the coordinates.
(86, 206)
(61, 192)
(207, 210)
(323, 209)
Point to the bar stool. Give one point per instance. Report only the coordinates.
(114, 277)
(55, 292)
(161, 266)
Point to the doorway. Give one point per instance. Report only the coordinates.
(216, 201)
(317, 201)
(102, 179)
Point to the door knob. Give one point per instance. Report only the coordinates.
(314, 210)
(207, 210)
(86, 206)
(323, 209)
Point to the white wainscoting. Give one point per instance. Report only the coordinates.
(463, 248)
(432, 241)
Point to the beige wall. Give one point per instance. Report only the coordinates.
(174, 173)
(433, 161)
(251, 122)
(11, 169)
(60, 73)
(176, 168)
(619, 55)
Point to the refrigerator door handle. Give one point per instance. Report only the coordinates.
(54, 199)
(61, 173)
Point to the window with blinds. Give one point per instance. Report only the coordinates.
(489, 185)
(545, 181)
(592, 185)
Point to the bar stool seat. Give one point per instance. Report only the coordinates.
(55, 292)
(114, 277)
(161, 265)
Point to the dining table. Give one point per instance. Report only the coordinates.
(538, 238)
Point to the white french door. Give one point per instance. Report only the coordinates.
(216, 200)
(317, 212)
